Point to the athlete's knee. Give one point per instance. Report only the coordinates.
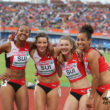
(24, 108)
(6, 107)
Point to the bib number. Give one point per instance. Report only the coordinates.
(19, 61)
(46, 67)
(70, 71)
(22, 58)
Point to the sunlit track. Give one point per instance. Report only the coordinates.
(64, 94)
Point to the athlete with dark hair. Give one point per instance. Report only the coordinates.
(16, 56)
(47, 90)
(95, 65)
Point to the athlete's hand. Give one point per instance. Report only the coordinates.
(90, 102)
(109, 67)
(50, 49)
(61, 59)
(4, 77)
(79, 54)
(36, 74)
(11, 37)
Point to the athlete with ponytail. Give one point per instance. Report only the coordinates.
(47, 90)
(95, 65)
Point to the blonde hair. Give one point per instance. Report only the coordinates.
(71, 40)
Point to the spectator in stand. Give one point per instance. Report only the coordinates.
(48, 16)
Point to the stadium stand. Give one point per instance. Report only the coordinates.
(56, 18)
(68, 17)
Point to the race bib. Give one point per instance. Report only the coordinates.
(20, 60)
(71, 71)
(46, 67)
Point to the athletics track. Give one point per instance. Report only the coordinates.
(65, 92)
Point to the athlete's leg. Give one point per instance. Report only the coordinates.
(96, 101)
(104, 103)
(21, 98)
(40, 98)
(53, 99)
(7, 95)
(82, 103)
(71, 103)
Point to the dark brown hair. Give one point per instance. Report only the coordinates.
(40, 35)
(87, 28)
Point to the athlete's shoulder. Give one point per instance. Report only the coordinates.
(5, 47)
(93, 54)
(30, 44)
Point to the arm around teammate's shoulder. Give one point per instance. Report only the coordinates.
(30, 45)
(32, 53)
(5, 47)
(56, 52)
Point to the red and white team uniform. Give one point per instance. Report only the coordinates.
(103, 66)
(74, 70)
(46, 66)
(16, 59)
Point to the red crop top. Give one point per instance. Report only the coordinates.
(74, 69)
(17, 57)
(103, 65)
(46, 66)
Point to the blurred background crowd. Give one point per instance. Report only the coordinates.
(55, 15)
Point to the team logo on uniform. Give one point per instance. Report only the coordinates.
(51, 61)
(27, 53)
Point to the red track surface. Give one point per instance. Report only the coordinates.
(65, 92)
